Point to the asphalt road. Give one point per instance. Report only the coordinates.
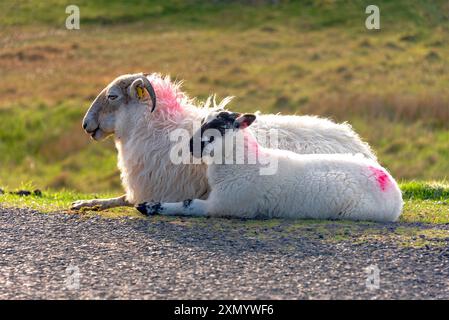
(58, 256)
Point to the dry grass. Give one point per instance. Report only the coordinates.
(431, 109)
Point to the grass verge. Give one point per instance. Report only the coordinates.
(426, 202)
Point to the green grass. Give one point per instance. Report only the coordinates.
(417, 190)
(60, 201)
(47, 144)
(424, 202)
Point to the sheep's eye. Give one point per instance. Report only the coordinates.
(211, 139)
(112, 96)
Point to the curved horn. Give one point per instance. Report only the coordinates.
(150, 90)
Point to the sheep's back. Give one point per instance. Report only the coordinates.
(310, 135)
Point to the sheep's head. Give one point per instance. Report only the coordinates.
(123, 94)
(217, 126)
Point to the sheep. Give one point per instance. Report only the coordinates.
(141, 110)
(320, 186)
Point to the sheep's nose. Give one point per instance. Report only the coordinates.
(84, 125)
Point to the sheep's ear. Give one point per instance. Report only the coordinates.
(244, 121)
(137, 90)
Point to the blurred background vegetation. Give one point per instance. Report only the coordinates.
(293, 57)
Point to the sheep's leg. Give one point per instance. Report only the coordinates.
(101, 204)
(189, 207)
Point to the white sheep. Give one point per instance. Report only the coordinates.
(125, 108)
(320, 186)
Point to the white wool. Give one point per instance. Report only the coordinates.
(319, 186)
(143, 157)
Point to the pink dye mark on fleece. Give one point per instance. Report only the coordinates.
(168, 93)
(253, 145)
(381, 177)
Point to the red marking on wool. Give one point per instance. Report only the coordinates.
(381, 177)
(252, 143)
(167, 92)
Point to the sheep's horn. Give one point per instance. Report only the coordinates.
(150, 90)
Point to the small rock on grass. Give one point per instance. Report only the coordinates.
(22, 193)
(25, 193)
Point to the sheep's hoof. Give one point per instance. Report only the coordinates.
(149, 208)
(86, 205)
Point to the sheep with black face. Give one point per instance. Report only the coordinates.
(320, 186)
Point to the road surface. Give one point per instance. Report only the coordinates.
(59, 256)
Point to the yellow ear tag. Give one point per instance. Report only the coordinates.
(140, 92)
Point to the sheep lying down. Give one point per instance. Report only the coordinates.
(321, 186)
(141, 111)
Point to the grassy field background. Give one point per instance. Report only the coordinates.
(302, 57)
